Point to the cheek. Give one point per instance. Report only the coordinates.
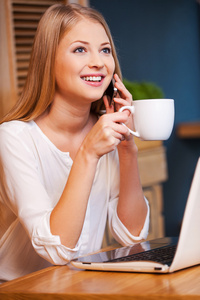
(112, 66)
(60, 73)
(63, 69)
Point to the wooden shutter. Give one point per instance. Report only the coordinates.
(26, 15)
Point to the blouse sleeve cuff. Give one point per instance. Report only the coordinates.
(121, 233)
(49, 246)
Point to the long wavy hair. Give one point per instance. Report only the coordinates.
(39, 89)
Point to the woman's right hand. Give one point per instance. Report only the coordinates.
(106, 134)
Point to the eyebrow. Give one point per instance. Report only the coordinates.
(86, 43)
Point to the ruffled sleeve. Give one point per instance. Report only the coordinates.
(117, 228)
(28, 197)
(120, 232)
(49, 246)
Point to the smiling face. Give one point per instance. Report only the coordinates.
(84, 63)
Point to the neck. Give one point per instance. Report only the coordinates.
(64, 122)
(66, 118)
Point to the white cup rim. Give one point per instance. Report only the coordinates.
(156, 99)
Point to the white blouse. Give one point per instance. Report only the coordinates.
(36, 173)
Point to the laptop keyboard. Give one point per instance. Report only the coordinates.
(163, 255)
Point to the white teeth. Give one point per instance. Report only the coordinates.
(92, 78)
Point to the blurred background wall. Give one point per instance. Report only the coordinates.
(158, 41)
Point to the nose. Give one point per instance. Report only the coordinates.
(96, 61)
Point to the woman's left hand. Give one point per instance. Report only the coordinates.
(124, 98)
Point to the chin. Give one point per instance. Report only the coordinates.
(95, 97)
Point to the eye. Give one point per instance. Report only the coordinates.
(80, 50)
(106, 50)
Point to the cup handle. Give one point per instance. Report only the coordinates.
(132, 110)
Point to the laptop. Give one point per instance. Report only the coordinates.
(163, 255)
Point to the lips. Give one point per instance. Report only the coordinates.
(92, 78)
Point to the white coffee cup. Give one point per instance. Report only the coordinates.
(153, 118)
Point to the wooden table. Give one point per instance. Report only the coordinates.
(65, 282)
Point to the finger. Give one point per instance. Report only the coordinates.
(112, 126)
(121, 133)
(124, 93)
(117, 117)
(127, 136)
(118, 137)
(121, 101)
(121, 129)
(109, 108)
(111, 139)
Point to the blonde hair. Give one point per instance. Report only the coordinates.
(39, 89)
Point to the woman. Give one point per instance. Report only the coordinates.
(65, 167)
